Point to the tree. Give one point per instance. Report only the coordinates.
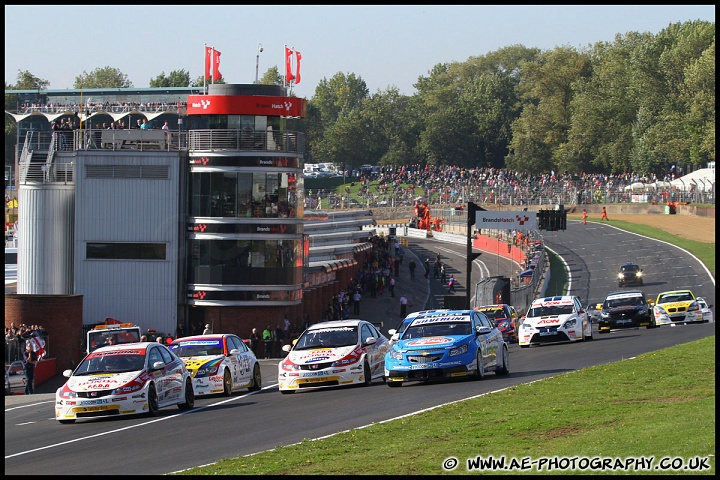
(176, 78)
(106, 77)
(199, 82)
(271, 77)
(28, 81)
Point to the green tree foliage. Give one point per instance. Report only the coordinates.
(638, 103)
(105, 77)
(198, 82)
(176, 78)
(271, 77)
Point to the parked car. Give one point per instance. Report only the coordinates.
(504, 317)
(447, 344)
(334, 353)
(218, 363)
(625, 309)
(15, 379)
(126, 379)
(630, 274)
(553, 320)
(676, 307)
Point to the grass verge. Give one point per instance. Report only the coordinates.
(643, 406)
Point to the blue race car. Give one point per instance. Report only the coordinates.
(447, 344)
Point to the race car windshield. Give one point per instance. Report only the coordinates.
(184, 351)
(682, 297)
(437, 330)
(624, 302)
(630, 268)
(327, 338)
(110, 363)
(495, 314)
(544, 311)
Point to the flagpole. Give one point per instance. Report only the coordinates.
(212, 66)
(203, 73)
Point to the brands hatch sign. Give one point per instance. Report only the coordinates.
(506, 220)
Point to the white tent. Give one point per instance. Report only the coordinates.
(702, 180)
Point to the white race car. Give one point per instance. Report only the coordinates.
(555, 319)
(707, 313)
(124, 379)
(329, 354)
(219, 363)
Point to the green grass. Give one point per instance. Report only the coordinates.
(660, 404)
(644, 406)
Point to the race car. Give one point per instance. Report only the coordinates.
(553, 320)
(676, 307)
(447, 344)
(219, 363)
(626, 309)
(630, 274)
(503, 317)
(334, 353)
(125, 379)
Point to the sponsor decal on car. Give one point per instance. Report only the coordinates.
(429, 341)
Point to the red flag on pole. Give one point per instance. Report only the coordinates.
(208, 58)
(216, 67)
(297, 68)
(288, 65)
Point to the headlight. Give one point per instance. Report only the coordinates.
(458, 350)
(638, 274)
(208, 370)
(604, 314)
(396, 354)
(620, 275)
(570, 323)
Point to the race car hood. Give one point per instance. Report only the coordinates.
(624, 309)
(675, 305)
(320, 355)
(425, 343)
(100, 381)
(194, 363)
(548, 321)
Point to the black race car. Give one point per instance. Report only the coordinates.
(630, 274)
(625, 309)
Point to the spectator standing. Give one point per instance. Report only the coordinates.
(403, 305)
(391, 286)
(166, 126)
(208, 330)
(412, 265)
(30, 362)
(427, 267)
(286, 327)
(584, 216)
(278, 340)
(451, 284)
(139, 123)
(356, 302)
(443, 273)
(144, 125)
(268, 341)
(254, 341)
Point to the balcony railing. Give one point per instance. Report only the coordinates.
(221, 140)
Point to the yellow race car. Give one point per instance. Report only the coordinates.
(676, 307)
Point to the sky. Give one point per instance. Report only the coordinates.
(384, 45)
